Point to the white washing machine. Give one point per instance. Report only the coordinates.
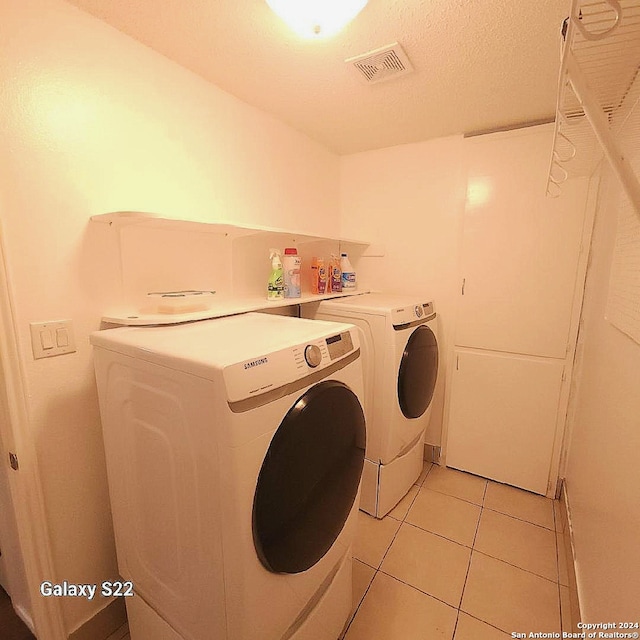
(400, 363)
(234, 451)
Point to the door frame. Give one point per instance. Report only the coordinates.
(24, 484)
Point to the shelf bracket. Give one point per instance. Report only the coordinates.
(600, 124)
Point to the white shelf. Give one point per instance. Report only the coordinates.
(223, 306)
(598, 90)
(168, 259)
(120, 219)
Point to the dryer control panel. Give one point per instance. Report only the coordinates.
(419, 312)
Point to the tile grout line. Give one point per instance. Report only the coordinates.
(472, 549)
(515, 566)
(355, 613)
(444, 493)
(363, 562)
(554, 531)
(438, 535)
(555, 523)
(395, 535)
(455, 626)
(377, 570)
(489, 624)
(466, 577)
(509, 515)
(413, 586)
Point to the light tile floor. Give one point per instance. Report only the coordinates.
(459, 558)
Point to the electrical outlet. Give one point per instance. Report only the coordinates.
(52, 338)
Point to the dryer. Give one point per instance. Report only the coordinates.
(234, 453)
(398, 335)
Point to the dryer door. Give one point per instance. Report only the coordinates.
(309, 478)
(418, 372)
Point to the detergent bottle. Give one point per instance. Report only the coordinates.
(275, 286)
(334, 283)
(318, 276)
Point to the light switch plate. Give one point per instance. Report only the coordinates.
(52, 338)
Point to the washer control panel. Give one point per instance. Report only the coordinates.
(275, 369)
(339, 345)
(323, 352)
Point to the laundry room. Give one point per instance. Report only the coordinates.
(157, 146)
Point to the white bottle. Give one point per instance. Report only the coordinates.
(291, 264)
(348, 273)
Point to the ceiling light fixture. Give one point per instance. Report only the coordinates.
(317, 18)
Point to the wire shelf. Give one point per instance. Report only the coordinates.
(598, 90)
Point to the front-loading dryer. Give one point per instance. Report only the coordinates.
(234, 452)
(398, 336)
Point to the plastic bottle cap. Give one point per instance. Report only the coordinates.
(291, 251)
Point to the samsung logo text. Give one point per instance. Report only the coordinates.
(255, 363)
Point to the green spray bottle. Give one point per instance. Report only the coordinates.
(275, 286)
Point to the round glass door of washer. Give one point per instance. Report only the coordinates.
(309, 478)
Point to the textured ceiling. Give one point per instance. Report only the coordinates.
(479, 64)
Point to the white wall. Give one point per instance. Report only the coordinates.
(410, 198)
(91, 122)
(603, 469)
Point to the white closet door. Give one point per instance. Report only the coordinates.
(502, 421)
(520, 248)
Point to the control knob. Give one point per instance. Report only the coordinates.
(313, 355)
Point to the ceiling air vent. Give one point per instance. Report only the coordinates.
(381, 64)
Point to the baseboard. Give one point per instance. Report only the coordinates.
(573, 615)
(25, 617)
(104, 623)
(432, 453)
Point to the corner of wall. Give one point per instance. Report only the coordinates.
(103, 623)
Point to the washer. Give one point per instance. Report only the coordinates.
(234, 452)
(400, 362)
